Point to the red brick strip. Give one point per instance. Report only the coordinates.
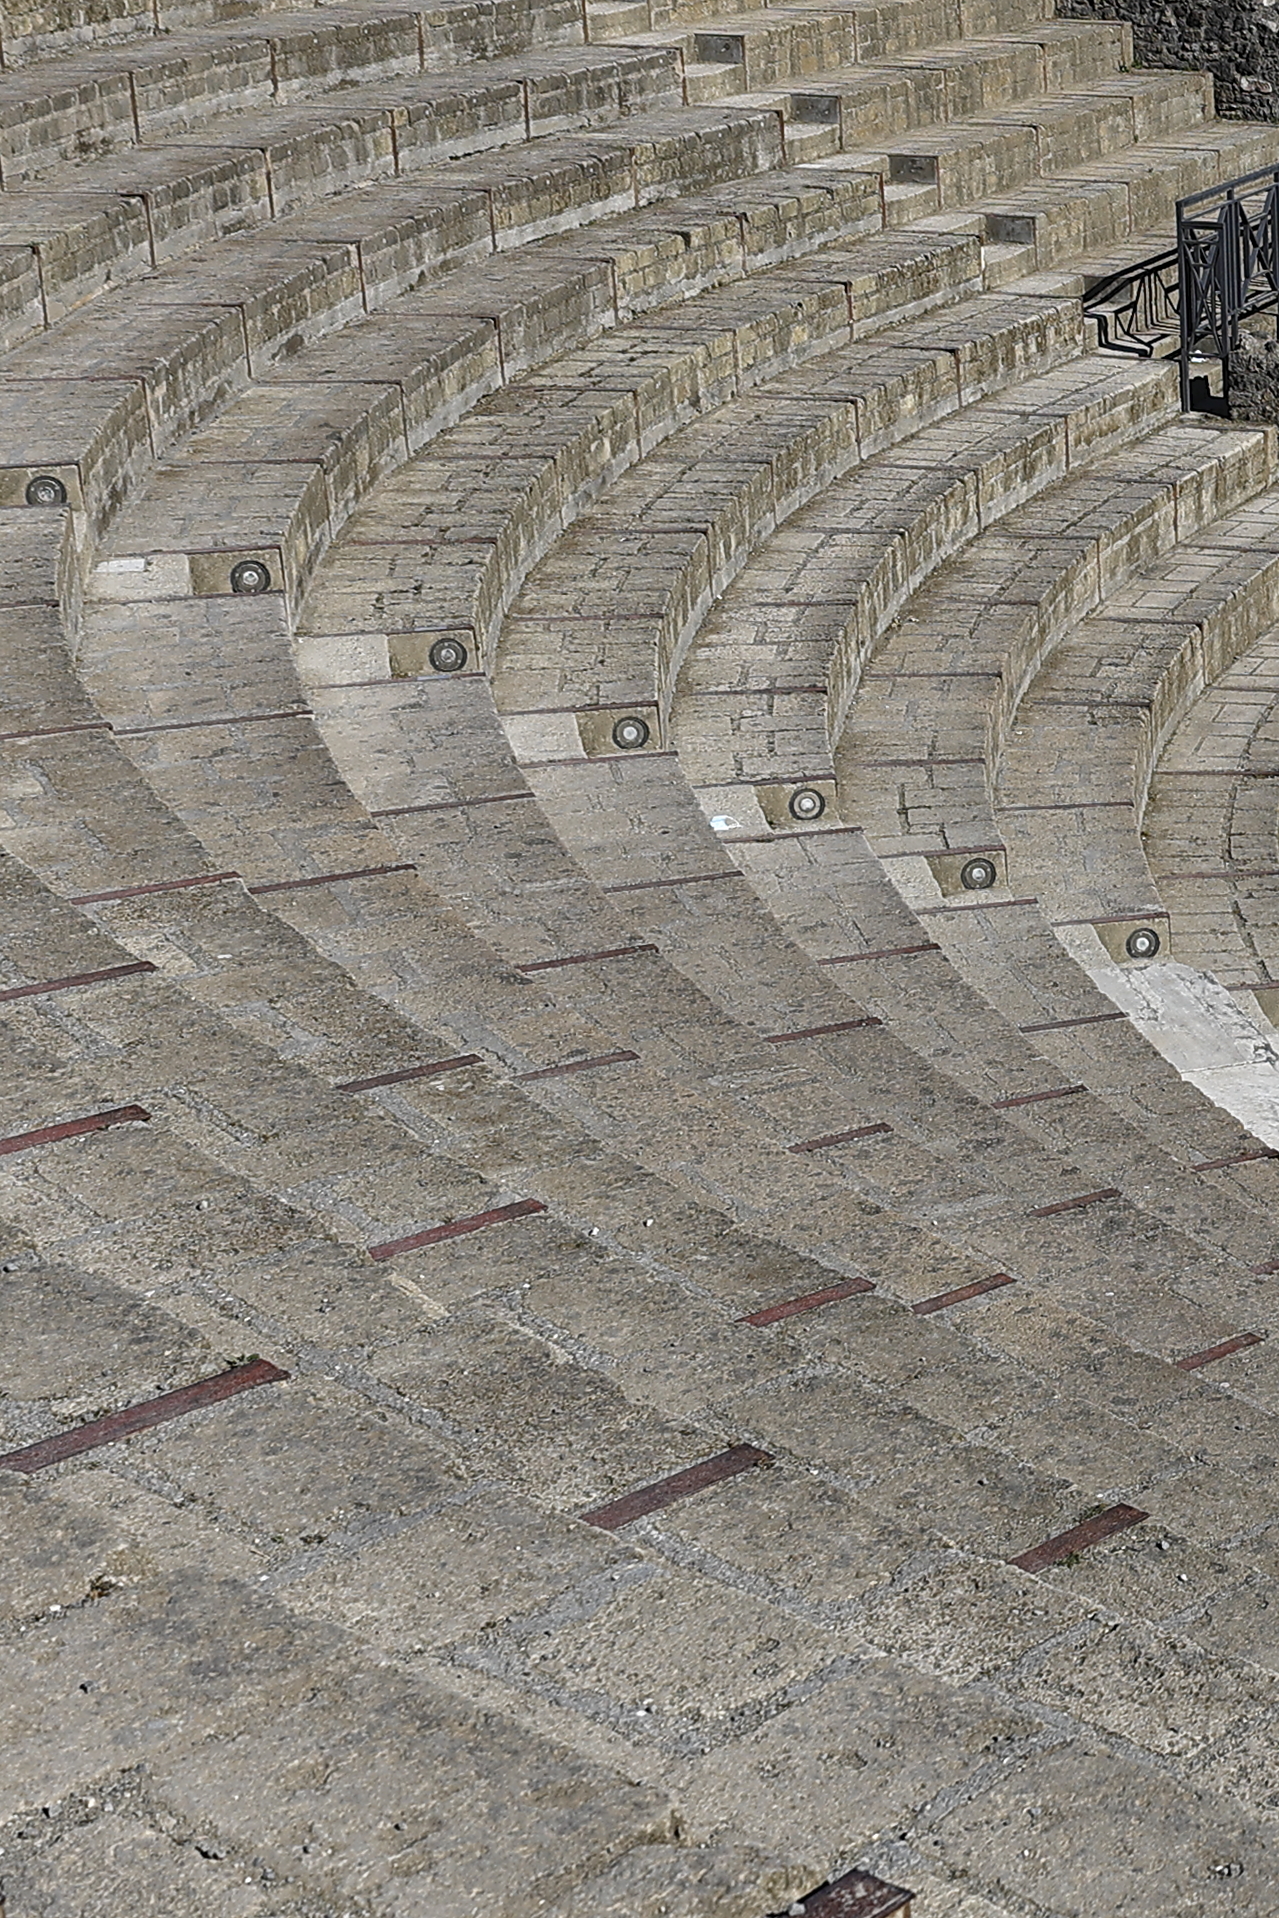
(580, 1065)
(73, 1128)
(789, 1308)
(1093, 1531)
(1235, 1158)
(1223, 1351)
(457, 1228)
(584, 958)
(978, 905)
(139, 1418)
(331, 878)
(1061, 1025)
(77, 979)
(1074, 1205)
(858, 1894)
(1036, 1098)
(653, 1498)
(685, 879)
(219, 719)
(55, 732)
(448, 805)
(409, 1072)
(160, 885)
(819, 1032)
(961, 1294)
(840, 1138)
(885, 952)
(1226, 872)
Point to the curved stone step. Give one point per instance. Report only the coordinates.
(1208, 828)
(438, 353)
(176, 364)
(97, 37)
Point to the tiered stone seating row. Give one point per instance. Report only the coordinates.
(487, 1118)
(1208, 828)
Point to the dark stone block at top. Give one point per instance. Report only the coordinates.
(1230, 41)
(858, 1894)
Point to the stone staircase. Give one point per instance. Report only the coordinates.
(594, 674)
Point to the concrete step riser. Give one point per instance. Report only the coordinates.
(33, 33)
(1159, 527)
(1160, 519)
(864, 111)
(435, 385)
(204, 369)
(547, 514)
(36, 138)
(172, 200)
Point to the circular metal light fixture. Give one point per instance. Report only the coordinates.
(250, 576)
(1142, 944)
(806, 803)
(448, 655)
(631, 733)
(978, 875)
(46, 490)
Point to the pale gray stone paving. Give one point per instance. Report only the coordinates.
(928, 635)
(1213, 596)
(1208, 825)
(451, 744)
(488, 1378)
(166, 1455)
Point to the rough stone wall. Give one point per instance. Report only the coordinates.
(1237, 41)
(1254, 380)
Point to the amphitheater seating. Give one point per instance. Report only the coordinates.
(538, 545)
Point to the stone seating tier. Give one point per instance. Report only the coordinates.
(346, 1017)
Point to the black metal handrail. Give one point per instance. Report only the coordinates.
(1135, 308)
(1223, 271)
(1227, 264)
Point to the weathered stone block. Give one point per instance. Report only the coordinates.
(1254, 380)
(79, 117)
(83, 243)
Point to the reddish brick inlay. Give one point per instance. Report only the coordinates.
(219, 719)
(975, 905)
(580, 1065)
(73, 1128)
(684, 879)
(409, 1072)
(77, 979)
(961, 1294)
(1235, 1158)
(583, 958)
(885, 952)
(1060, 1025)
(1036, 1098)
(858, 1894)
(1093, 1531)
(789, 1308)
(448, 805)
(1073, 1205)
(1223, 1351)
(55, 732)
(331, 878)
(139, 1418)
(1226, 872)
(160, 885)
(840, 1138)
(456, 1228)
(820, 1032)
(653, 1498)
